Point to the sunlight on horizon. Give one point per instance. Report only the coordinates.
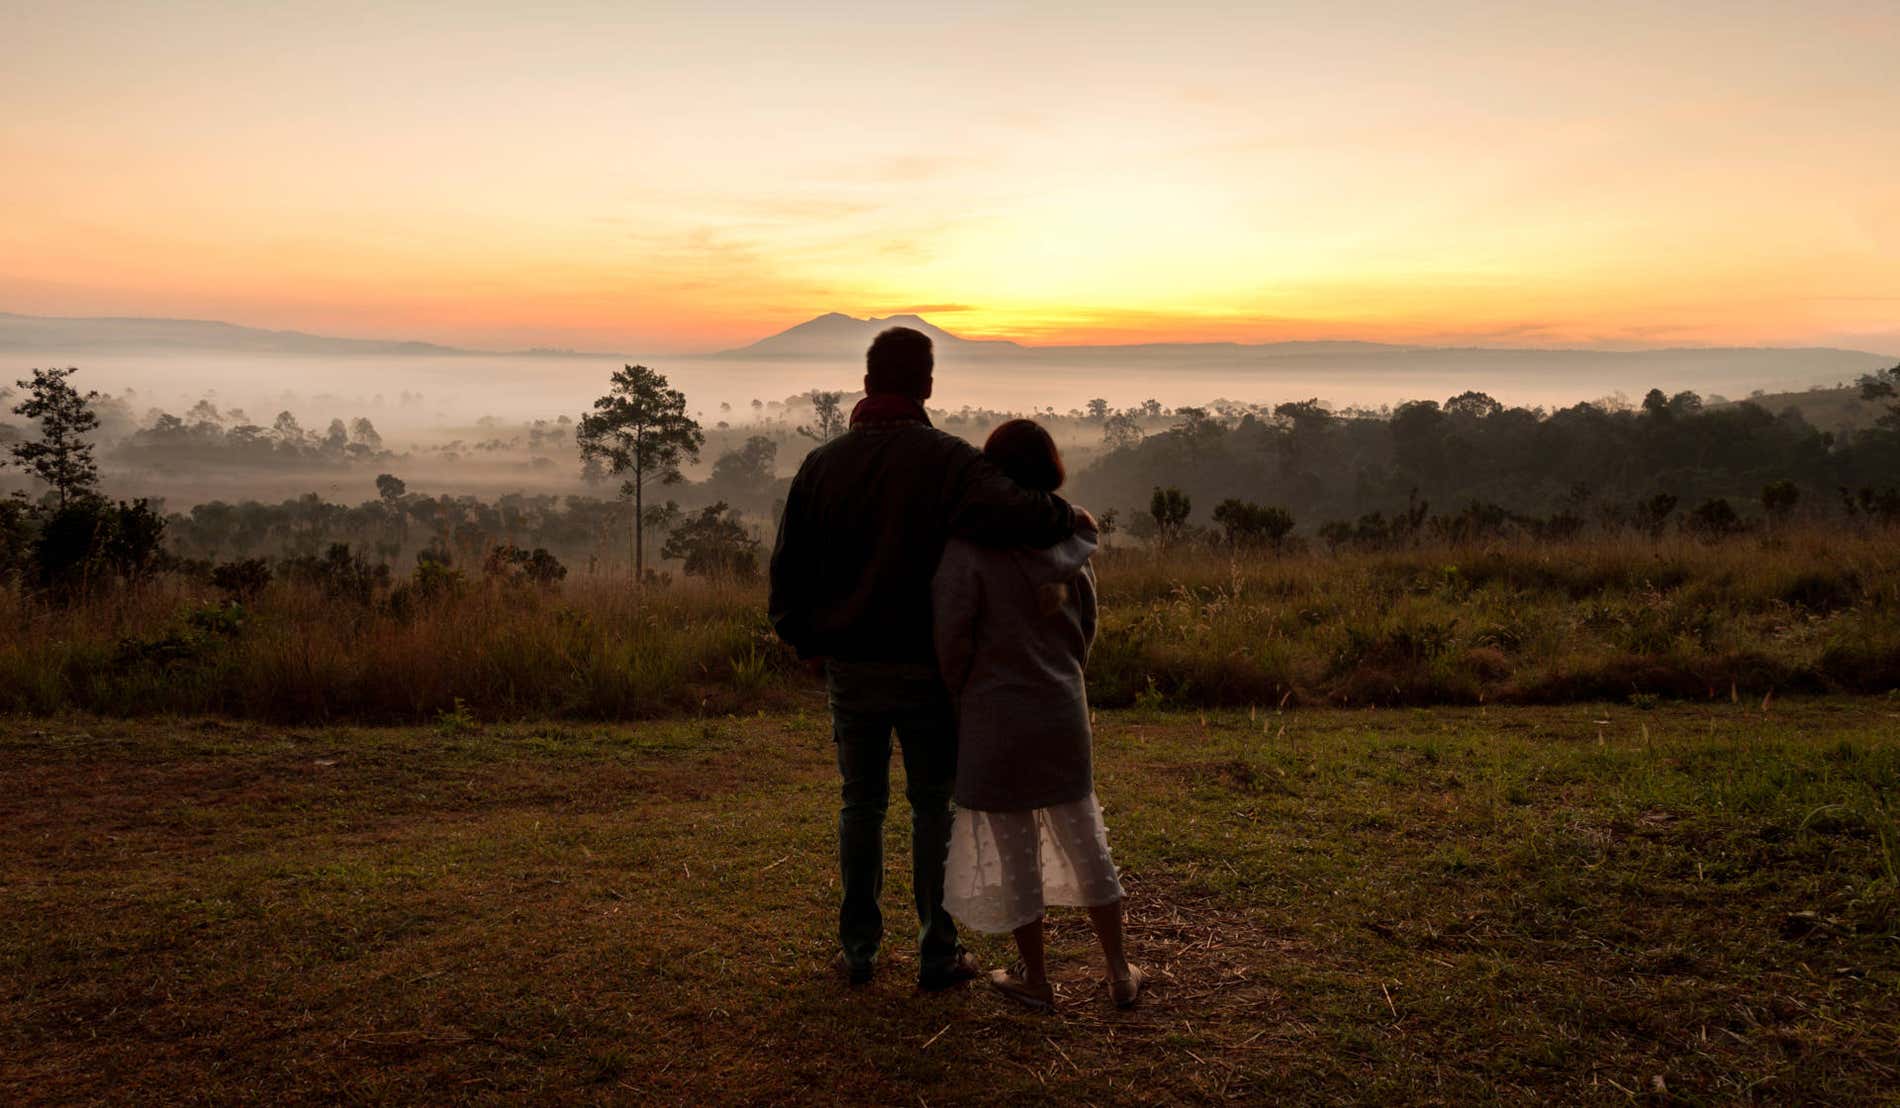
(604, 178)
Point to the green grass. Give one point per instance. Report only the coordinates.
(1411, 905)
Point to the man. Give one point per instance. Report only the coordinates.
(865, 524)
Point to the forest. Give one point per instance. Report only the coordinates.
(1289, 474)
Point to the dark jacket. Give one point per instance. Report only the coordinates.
(865, 524)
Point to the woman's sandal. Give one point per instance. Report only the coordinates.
(1041, 999)
(1126, 991)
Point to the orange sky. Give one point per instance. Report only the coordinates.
(639, 178)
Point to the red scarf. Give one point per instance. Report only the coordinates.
(888, 407)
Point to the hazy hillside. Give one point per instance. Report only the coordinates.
(1835, 410)
(174, 361)
(841, 338)
(63, 336)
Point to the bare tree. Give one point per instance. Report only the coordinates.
(829, 410)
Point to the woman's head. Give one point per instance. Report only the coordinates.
(1024, 451)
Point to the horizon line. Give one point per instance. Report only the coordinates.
(551, 351)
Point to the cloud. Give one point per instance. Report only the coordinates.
(1500, 333)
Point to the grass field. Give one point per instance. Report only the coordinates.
(1584, 903)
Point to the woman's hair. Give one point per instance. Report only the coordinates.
(1024, 451)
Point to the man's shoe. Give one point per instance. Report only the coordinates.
(960, 969)
(1041, 998)
(854, 972)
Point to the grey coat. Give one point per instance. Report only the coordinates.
(1013, 629)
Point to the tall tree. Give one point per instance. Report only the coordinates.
(63, 456)
(363, 432)
(640, 428)
(390, 489)
(288, 431)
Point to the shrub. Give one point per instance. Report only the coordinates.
(243, 579)
(87, 541)
(340, 574)
(1169, 509)
(1714, 519)
(198, 629)
(1650, 514)
(1778, 499)
(1869, 505)
(510, 564)
(1247, 524)
(713, 543)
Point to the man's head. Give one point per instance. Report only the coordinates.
(899, 361)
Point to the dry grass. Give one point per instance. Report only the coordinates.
(1583, 904)
(1605, 619)
(598, 649)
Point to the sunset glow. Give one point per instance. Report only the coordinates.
(638, 177)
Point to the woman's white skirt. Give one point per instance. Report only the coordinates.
(1005, 867)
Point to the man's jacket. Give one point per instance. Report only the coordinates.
(865, 524)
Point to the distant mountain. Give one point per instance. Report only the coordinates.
(835, 334)
(59, 336)
(63, 337)
(838, 337)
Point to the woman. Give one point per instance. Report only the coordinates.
(1013, 631)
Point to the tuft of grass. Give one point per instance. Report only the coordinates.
(457, 720)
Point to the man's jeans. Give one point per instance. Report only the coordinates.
(868, 701)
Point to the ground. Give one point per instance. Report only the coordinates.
(1585, 903)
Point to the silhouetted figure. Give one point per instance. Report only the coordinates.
(865, 524)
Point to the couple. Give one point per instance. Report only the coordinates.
(950, 596)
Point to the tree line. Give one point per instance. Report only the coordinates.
(1488, 469)
(1466, 469)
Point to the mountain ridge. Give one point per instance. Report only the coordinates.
(837, 328)
(837, 336)
(57, 334)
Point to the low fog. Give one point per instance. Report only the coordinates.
(433, 395)
(488, 424)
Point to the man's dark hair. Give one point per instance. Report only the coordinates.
(1027, 453)
(899, 361)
